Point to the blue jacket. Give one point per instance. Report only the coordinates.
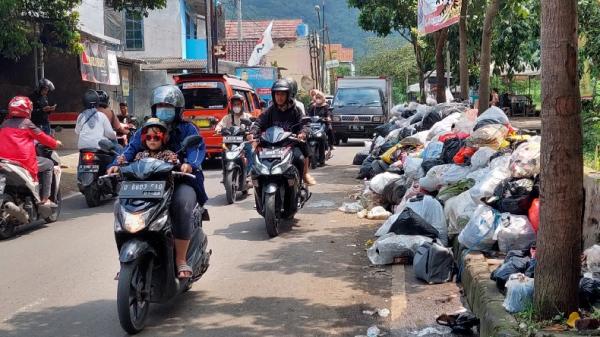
(194, 157)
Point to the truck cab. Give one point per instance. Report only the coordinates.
(207, 102)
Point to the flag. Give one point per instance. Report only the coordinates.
(262, 48)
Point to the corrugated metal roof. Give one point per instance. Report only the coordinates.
(253, 29)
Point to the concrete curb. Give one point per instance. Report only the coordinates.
(484, 298)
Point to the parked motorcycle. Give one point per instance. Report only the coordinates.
(145, 241)
(278, 188)
(19, 195)
(318, 141)
(93, 163)
(235, 163)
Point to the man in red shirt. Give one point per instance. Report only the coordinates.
(18, 134)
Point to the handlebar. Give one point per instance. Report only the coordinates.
(181, 174)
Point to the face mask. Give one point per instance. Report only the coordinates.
(319, 101)
(165, 114)
(237, 110)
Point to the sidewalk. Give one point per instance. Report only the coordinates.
(69, 161)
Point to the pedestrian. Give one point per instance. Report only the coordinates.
(124, 112)
(41, 107)
(494, 98)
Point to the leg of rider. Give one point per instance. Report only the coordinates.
(299, 160)
(182, 205)
(249, 157)
(45, 167)
(308, 179)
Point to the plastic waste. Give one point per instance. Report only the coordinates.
(395, 191)
(461, 323)
(534, 214)
(486, 187)
(515, 233)
(465, 123)
(351, 207)
(387, 225)
(525, 160)
(479, 175)
(445, 125)
(433, 150)
(589, 292)
(410, 223)
(480, 232)
(418, 139)
(383, 312)
(458, 211)
(519, 293)
(502, 162)
(516, 261)
(455, 189)
(455, 173)
(496, 114)
(373, 331)
(379, 181)
(451, 148)
(431, 163)
(434, 178)
(390, 246)
(378, 213)
(412, 168)
(463, 156)
(413, 191)
(592, 259)
(489, 135)
(481, 158)
(431, 211)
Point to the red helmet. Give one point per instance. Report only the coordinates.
(20, 107)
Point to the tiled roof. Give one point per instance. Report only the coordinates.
(253, 30)
(338, 52)
(239, 51)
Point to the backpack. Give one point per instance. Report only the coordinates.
(433, 263)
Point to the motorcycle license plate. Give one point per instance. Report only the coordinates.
(271, 154)
(2, 184)
(142, 190)
(88, 168)
(233, 139)
(315, 125)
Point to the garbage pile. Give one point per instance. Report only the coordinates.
(443, 172)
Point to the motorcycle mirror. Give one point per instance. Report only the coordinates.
(191, 141)
(106, 145)
(306, 120)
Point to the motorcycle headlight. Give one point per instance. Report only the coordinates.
(259, 167)
(283, 166)
(319, 134)
(230, 155)
(134, 222)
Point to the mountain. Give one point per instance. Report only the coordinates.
(341, 20)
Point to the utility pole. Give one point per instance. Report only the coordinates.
(215, 30)
(239, 17)
(209, 36)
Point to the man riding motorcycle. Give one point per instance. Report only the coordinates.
(236, 105)
(294, 93)
(104, 107)
(167, 105)
(18, 134)
(285, 114)
(92, 125)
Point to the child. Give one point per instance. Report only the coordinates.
(155, 139)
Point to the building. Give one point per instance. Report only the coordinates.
(345, 58)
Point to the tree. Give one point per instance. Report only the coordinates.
(139, 6)
(559, 238)
(486, 55)
(463, 57)
(440, 37)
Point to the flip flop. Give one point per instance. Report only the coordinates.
(184, 268)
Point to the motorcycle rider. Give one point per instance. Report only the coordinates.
(320, 108)
(104, 107)
(18, 134)
(294, 93)
(92, 126)
(285, 114)
(234, 117)
(167, 105)
(41, 107)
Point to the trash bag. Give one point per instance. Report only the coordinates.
(494, 114)
(480, 232)
(378, 213)
(360, 157)
(501, 161)
(384, 129)
(461, 323)
(395, 191)
(486, 187)
(519, 293)
(380, 181)
(366, 170)
(489, 135)
(413, 191)
(516, 261)
(463, 156)
(481, 158)
(394, 136)
(387, 225)
(534, 214)
(351, 207)
(515, 233)
(455, 173)
(466, 122)
(458, 211)
(430, 119)
(592, 259)
(429, 164)
(455, 189)
(589, 292)
(479, 175)
(377, 167)
(447, 136)
(513, 196)
(413, 169)
(410, 223)
(525, 160)
(392, 154)
(431, 211)
(443, 126)
(417, 139)
(407, 132)
(483, 123)
(390, 246)
(433, 150)
(434, 178)
(451, 148)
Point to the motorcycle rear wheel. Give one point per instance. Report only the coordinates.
(271, 215)
(231, 185)
(7, 229)
(56, 211)
(132, 302)
(92, 195)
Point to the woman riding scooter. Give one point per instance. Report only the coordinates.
(234, 117)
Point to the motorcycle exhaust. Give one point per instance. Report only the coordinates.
(16, 212)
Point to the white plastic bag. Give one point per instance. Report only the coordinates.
(380, 181)
(516, 233)
(481, 157)
(494, 113)
(418, 139)
(378, 213)
(525, 161)
(413, 191)
(480, 232)
(592, 259)
(485, 188)
(386, 248)
(443, 126)
(351, 207)
(433, 150)
(413, 169)
(431, 211)
(479, 175)
(455, 173)
(466, 122)
(491, 135)
(458, 211)
(519, 293)
(434, 178)
(502, 162)
(387, 225)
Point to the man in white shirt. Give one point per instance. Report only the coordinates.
(93, 126)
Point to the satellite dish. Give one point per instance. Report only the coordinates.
(307, 83)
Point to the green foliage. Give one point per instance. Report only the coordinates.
(140, 7)
(343, 70)
(589, 28)
(529, 325)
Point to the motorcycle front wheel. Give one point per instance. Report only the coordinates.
(132, 298)
(271, 215)
(7, 229)
(231, 185)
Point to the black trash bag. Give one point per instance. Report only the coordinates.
(431, 118)
(385, 129)
(461, 323)
(408, 113)
(395, 169)
(407, 132)
(386, 146)
(411, 223)
(450, 149)
(429, 163)
(417, 118)
(377, 167)
(366, 169)
(513, 197)
(359, 158)
(516, 261)
(530, 271)
(484, 122)
(394, 191)
(589, 292)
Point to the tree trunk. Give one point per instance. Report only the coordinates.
(440, 38)
(463, 60)
(486, 55)
(559, 238)
(418, 58)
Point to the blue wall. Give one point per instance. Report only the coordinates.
(195, 49)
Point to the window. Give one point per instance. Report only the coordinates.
(134, 32)
(204, 95)
(191, 29)
(357, 97)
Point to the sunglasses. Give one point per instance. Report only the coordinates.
(154, 138)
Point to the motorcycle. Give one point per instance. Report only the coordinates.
(278, 188)
(19, 195)
(145, 241)
(93, 163)
(317, 139)
(235, 162)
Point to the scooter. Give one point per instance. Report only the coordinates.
(318, 141)
(145, 240)
(278, 187)
(93, 163)
(235, 163)
(19, 195)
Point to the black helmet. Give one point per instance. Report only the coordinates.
(45, 83)
(103, 98)
(293, 86)
(282, 86)
(237, 97)
(90, 99)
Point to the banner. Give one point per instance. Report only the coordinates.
(260, 78)
(264, 46)
(434, 15)
(99, 65)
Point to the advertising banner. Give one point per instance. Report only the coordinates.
(99, 65)
(260, 78)
(434, 15)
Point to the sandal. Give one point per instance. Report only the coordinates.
(185, 270)
(309, 180)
